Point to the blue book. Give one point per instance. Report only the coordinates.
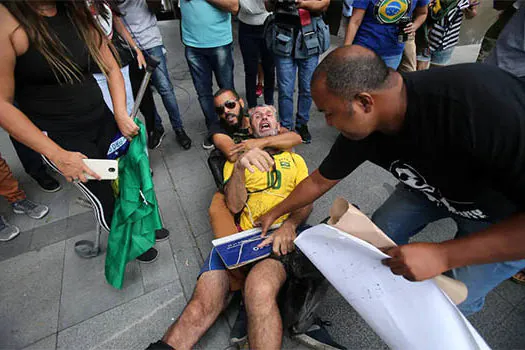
(241, 248)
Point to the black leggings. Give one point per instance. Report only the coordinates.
(93, 143)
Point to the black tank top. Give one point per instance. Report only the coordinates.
(54, 107)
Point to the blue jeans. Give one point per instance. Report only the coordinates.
(438, 57)
(406, 212)
(161, 80)
(204, 62)
(393, 61)
(287, 68)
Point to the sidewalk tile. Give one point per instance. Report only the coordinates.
(49, 343)
(16, 246)
(162, 271)
(30, 296)
(85, 292)
(129, 326)
(50, 233)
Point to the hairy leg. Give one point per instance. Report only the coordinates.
(207, 302)
(264, 321)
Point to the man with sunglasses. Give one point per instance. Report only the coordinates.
(256, 182)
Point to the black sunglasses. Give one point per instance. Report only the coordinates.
(230, 104)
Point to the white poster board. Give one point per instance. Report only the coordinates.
(406, 315)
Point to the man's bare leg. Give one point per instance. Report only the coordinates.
(265, 330)
(207, 302)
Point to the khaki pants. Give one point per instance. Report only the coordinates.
(9, 187)
(409, 61)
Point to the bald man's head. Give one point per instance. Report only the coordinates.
(349, 70)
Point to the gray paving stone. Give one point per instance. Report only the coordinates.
(509, 335)
(161, 176)
(50, 233)
(130, 326)
(30, 295)
(48, 343)
(81, 223)
(491, 317)
(512, 292)
(16, 246)
(162, 271)
(85, 292)
(185, 252)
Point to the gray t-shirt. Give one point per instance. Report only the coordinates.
(252, 12)
(509, 52)
(141, 23)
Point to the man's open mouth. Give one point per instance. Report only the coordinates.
(264, 126)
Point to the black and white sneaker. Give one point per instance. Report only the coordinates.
(155, 138)
(46, 182)
(162, 235)
(149, 256)
(207, 144)
(317, 337)
(239, 333)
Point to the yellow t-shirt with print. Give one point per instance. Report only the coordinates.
(267, 189)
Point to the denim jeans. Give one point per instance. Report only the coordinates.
(393, 61)
(287, 69)
(161, 80)
(406, 212)
(253, 49)
(202, 63)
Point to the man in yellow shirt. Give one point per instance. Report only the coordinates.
(255, 183)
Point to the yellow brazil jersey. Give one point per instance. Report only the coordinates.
(267, 189)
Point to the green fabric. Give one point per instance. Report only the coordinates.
(136, 216)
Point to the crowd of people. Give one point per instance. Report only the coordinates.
(452, 136)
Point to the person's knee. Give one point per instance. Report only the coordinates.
(258, 295)
(199, 308)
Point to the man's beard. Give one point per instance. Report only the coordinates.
(231, 129)
(273, 132)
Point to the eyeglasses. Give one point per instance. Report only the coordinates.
(230, 104)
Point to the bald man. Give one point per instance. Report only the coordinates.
(454, 137)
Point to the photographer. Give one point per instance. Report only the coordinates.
(384, 26)
(297, 36)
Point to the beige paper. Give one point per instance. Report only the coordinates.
(348, 218)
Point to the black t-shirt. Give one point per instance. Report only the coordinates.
(237, 135)
(462, 143)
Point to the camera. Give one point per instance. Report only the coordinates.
(285, 7)
(401, 25)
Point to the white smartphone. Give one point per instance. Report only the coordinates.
(107, 169)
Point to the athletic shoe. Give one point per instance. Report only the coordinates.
(149, 256)
(7, 231)
(317, 337)
(155, 138)
(182, 138)
(304, 133)
(239, 332)
(31, 209)
(160, 345)
(161, 235)
(46, 182)
(208, 143)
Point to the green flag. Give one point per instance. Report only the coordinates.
(136, 216)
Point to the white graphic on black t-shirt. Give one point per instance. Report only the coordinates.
(410, 177)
